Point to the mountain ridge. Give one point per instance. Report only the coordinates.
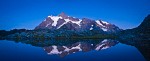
(140, 32)
(76, 24)
(86, 28)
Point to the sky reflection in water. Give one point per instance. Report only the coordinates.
(78, 51)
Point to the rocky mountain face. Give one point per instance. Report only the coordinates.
(65, 22)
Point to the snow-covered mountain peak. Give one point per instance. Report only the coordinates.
(63, 21)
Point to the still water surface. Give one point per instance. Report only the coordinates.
(103, 50)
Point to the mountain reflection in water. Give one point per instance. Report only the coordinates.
(79, 46)
(75, 50)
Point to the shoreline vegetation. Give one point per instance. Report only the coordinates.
(45, 34)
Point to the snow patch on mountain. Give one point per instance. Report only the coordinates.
(77, 22)
(99, 23)
(104, 29)
(91, 27)
(55, 19)
(105, 22)
(48, 24)
(68, 20)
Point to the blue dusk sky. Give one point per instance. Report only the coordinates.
(125, 14)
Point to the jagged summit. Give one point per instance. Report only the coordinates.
(63, 21)
(63, 15)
